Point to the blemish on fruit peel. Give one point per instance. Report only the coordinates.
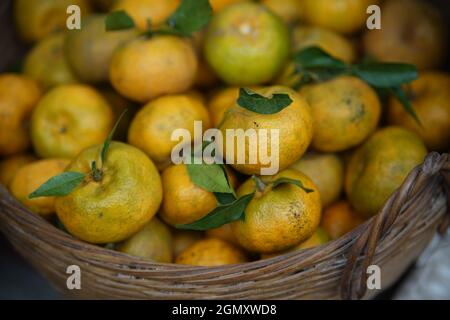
(251, 147)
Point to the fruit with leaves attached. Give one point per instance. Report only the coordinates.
(412, 32)
(339, 219)
(10, 165)
(89, 50)
(152, 242)
(18, 97)
(68, 119)
(430, 99)
(379, 166)
(246, 44)
(30, 177)
(326, 170)
(115, 204)
(294, 125)
(47, 64)
(211, 252)
(152, 127)
(344, 16)
(278, 217)
(144, 69)
(345, 110)
(37, 19)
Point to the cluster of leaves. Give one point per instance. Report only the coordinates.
(313, 64)
(189, 17)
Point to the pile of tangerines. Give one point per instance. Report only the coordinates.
(349, 133)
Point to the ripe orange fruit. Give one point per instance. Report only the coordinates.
(339, 219)
(211, 252)
(152, 127)
(220, 4)
(144, 69)
(430, 98)
(183, 239)
(18, 97)
(114, 208)
(380, 165)
(69, 119)
(32, 176)
(289, 10)
(278, 218)
(246, 44)
(220, 102)
(345, 110)
(10, 165)
(225, 233)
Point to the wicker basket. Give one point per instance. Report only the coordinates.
(392, 240)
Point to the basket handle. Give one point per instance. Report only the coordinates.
(354, 277)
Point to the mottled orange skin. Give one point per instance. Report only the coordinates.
(295, 125)
(380, 165)
(37, 19)
(118, 205)
(277, 219)
(32, 176)
(211, 252)
(344, 16)
(10, 165)
(183, 201)
(345, 110)
(145, 68)
(412, 32)
(225, 233)
(326, 170)
(339, 219)
(430, 98)
(157, 11)
(153, 242)
(18, 97)
(47, 64)
(220, 102)
(89, 51)
(152, 127)
(68, 119)
(183, 239)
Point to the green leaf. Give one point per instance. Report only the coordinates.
(190, 16)
(110, 136)
(221, 215)
(210, 177)
(224, 198)
(385, 75)
(400, 95)
(298, 183)
(257, 103)
(60, 185)
(316, 58)
(118, 20)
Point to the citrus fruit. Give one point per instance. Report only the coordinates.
(153, 125)
(144, 69)
(246, 44)
(344, 16)
(183, 201)
(224, 232)
(145, 11)
(278, 218)
(37, 19)
(127, 195)
(18, 97)
(345, 111)
(220, 102)
(326, 170)
(90, 49)
(152, 242)
(30, 177)
(417, 37)
(288, 10)
(183, 239)
(380, 165)
(69, 119)
(10, 165)
(430, 98)
(295, 129)
(37, 65)
(220, 4)
(340, 218)
(211, 252)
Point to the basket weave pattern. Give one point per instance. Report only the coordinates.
(392, 240)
